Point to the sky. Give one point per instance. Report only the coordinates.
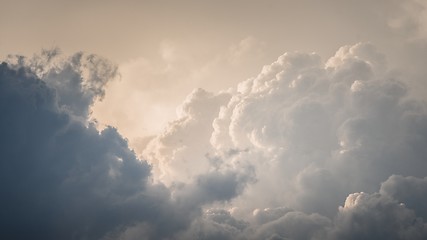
(196, 119)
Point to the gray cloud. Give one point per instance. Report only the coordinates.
(60, 178)
(64, 179)
(375, 216)
(410, 190)
(363, 216)
(79, 80)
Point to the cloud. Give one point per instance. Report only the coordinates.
(155, 86)
(64, 179)
(215, 224)
(309, 148)
(374, 216)
(310, 133)
(409, 190)
(79, 80)
(363, 216)
(180, 151)
(272, 158)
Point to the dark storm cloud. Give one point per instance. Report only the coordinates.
(79, 79)
(63, 179)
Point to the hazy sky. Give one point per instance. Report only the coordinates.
(167, 48)
(124, 30)
(237, 119)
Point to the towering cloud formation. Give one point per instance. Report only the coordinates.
(310, 134)
(305, 150)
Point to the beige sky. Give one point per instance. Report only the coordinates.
(122, 30)
(165, 49)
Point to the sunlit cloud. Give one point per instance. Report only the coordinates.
(213, 120)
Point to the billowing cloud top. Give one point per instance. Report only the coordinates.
(305, 150)
(307, 134)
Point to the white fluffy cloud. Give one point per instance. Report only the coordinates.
(145, 98)
(308, 134)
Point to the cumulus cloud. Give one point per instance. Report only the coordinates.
(183, 145)
(374, 216)
(79, 80)
(59, 175)
(145, 98)
(273, 158)
(310, 134)
(64, 179)
(409, 190)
